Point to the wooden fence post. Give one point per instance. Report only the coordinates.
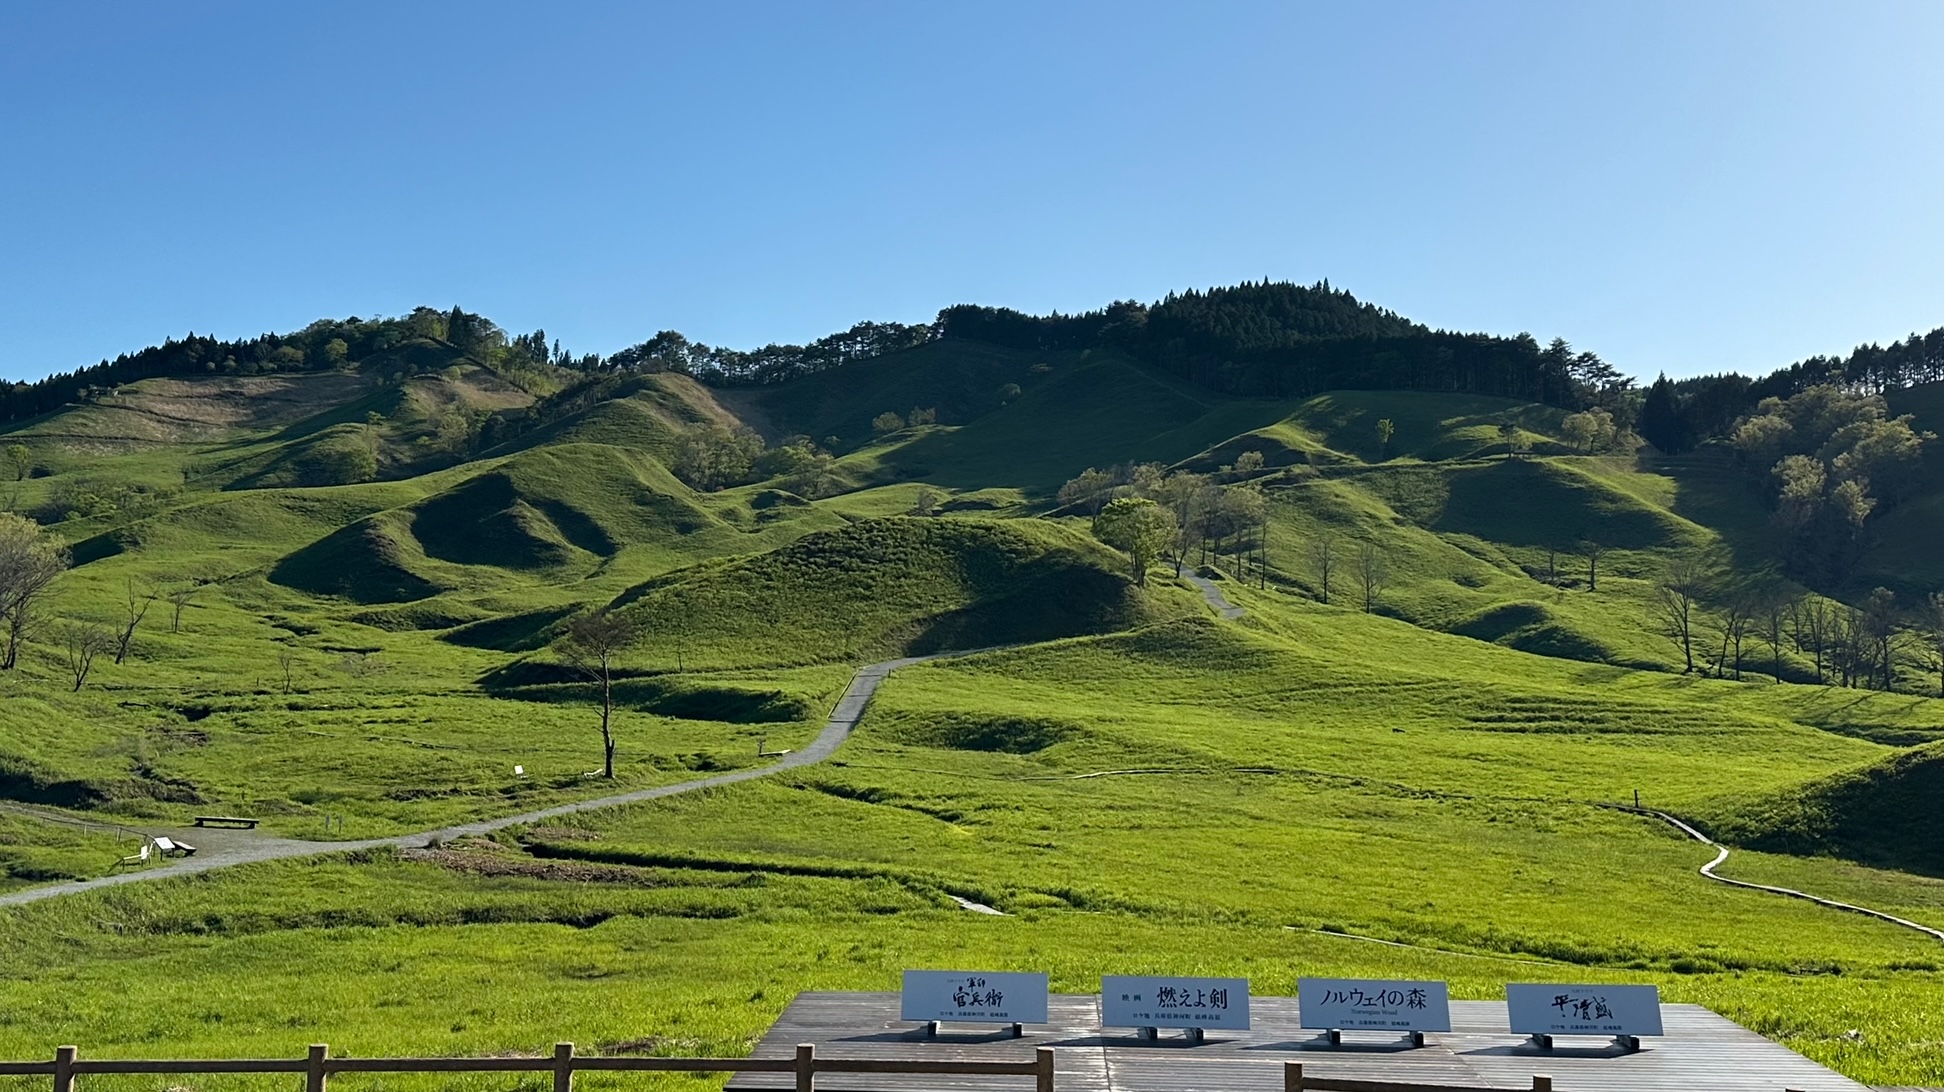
(64, 1068)
(314, 1071)
(1292, 1077)
(1045, 1074)
(563, 1067)
(1541, 1083)
(806, 1067)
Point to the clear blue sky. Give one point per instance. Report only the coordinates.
(1682, 186)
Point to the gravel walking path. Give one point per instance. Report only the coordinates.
(220, 848)
(1213, 594)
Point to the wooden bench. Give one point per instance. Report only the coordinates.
(225, 821)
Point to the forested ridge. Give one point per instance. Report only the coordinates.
(1257, 339)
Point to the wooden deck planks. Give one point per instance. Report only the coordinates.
(1701, 1051)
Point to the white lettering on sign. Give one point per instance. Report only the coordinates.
(1373, 1004)
(981, 997)
(1139, 1001)
(1541, 1009)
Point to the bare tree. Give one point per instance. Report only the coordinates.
(30, 559)
(84, 641)
(178, 601)
(1932, 624)
(1846, 643)
(1322, 551)
(1810, 622)
(286, 660)
(1677, 600)
(137, 609)
(1370, 574)
(592, 644)
(1593, 551)
(1732, 622)
(1776, 608)
(1880, 631)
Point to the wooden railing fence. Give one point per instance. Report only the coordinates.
(318, 1067)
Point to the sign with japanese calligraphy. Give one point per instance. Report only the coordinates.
(1349, 1004)
(1537, 1009)
(1138, 1001)
(978, 997)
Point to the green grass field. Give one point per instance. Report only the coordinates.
(1136, 785)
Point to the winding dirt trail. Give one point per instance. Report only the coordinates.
(225, 848)
(1721, 854)
(1213, 594)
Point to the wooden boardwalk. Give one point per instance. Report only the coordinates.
(1701, 1052)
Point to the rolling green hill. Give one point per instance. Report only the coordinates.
(1884, 814)
(355, 578)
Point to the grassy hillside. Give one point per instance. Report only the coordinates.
(1884, 814)
(1130, 775)
(892, 587)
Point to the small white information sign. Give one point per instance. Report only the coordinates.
(975, 997)
(1542, 1009)
(1360, 1004)
(1140, 1001)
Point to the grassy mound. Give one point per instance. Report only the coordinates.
(891, 586)
(553, 512)
(486, 521)
(1015, 735)
(1533, 627)
(370, 561)
(1886, 814)
(1539, 503)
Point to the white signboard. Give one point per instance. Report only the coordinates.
(1540, 1009)
(1373, 1005)
(1138, 1001)
(977, 997)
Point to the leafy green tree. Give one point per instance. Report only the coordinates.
(714, 456)
(921, 417)
(886, 423)
(1831, 459)
(1512, 438)
(815, 477)
(1188, 497)
(1661, 421)
(593, 644)
(1248, 462)
(1386, 428)
(30, 559)
(1008, 392)
(1137, 527)
(1092, 489)
(16, 462)
(1590, 431)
